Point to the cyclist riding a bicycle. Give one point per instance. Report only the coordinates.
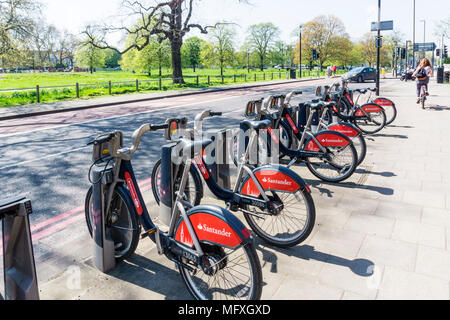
(422, 74)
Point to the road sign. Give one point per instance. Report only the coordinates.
(422, 47)
(384, 25)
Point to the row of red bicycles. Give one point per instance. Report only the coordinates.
(210, 245)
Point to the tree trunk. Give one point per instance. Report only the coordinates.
(177, 73)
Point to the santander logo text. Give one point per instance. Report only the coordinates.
(282, 182)
(206, 228)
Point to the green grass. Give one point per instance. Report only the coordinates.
(96, 84)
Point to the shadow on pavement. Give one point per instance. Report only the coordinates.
(152, 276)
(437, 108)
(319, 185)
(360, 267)
(398, 136)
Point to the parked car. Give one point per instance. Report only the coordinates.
(361, 74)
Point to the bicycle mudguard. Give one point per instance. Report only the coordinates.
(273, 178)
(383, 102)
(368, 108)
(327, 138)
(345, 128)
(213, 225)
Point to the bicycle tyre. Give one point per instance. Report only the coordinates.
(293, 240)
(255, 288)
(128, 249)
(351, 166)
(359, 123)
(389, 109)
(193, 176)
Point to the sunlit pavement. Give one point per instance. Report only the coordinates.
(383, 234)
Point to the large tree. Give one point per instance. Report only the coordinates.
(261, 37)
(222, 38)
(16, 23)
(170, 19)
(321, 34)
(190, 51)
(90, 56)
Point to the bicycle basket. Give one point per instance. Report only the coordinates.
(106, 145)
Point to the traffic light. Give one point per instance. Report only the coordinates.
(403, 53)
(397, 51)
(445, 55)
(438, 52)
(315, 54)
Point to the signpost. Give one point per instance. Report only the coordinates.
(380, 26)
(423, 47)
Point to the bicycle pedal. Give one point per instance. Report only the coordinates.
(148, 233)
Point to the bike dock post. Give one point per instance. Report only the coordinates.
(167, 173)
(104, 258)
(18, 256)
(218, 159)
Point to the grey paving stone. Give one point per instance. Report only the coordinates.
(415, 232)
(398, 284)
(306, 288)
(425, 199)
(435, 216)
(353, 296)
(388, 252)
(356, 275)
(433, 262)
(338, 242)
(370, 224)
(358, 205)
(399, 210)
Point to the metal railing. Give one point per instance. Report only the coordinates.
(157, 84)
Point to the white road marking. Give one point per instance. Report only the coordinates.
(42, 158)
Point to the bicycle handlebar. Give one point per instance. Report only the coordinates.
(290, 95)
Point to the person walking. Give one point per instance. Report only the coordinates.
(334, 70)
(422, 75)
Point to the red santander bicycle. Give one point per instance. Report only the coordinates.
(275, 201)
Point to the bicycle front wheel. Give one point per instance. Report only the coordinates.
(340, 164)
(234, 274)
(389, 109)
(194, 186)
(374, 124)
(291, 226)
(121, 222)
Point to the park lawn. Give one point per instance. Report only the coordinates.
(45, 79)
(96, 84)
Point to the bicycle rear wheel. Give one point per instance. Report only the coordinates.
(121, 222)
(233, 274)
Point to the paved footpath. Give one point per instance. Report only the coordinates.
(384, 234)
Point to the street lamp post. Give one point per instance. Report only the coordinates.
(414, 33)
(407, 62)
(300, 53)
(424, 22)
(378, 47)
(248, 61)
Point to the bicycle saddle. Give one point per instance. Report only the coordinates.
(315, 105)
(9, 201)
(362, 91)
(256, 125)
(193, 148)
(373, 90)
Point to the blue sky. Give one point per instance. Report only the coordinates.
(286, 14)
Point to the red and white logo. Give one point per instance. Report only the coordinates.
(208, 228)
(291, 123)
(134, 196)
